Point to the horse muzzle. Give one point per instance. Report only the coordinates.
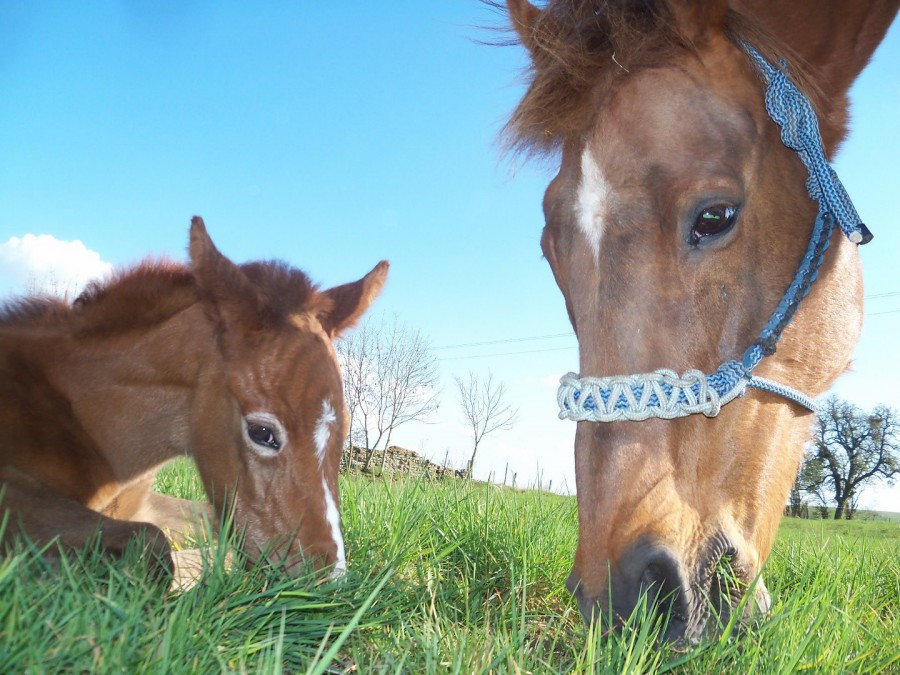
(690, 600)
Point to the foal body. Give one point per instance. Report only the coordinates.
(230, 365)
(99, 405)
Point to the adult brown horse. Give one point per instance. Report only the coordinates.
(232, 365)
(674, 226)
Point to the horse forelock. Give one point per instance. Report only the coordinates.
(581, 47)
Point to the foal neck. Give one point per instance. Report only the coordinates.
(132, 391)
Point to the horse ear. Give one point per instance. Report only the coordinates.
(698, 20)
(225, 291)
(349, 302)
(525, 20)
(834, 40)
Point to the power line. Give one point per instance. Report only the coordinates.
(556, 336)
(507, 340)
(528, 351)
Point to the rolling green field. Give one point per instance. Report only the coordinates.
(444, 577)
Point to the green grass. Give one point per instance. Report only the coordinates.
(444, 577)
(823, 531)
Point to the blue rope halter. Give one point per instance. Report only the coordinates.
(666, 394)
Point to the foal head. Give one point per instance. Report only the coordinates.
(673, 227)
(268, 416)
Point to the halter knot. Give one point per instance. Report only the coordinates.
(663, 394)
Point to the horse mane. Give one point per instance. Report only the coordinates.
(134, 298)
(45, 309)
(150, 293)
(578, 45)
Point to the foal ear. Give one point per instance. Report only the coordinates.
(225, 291)
(525, 19)
(698, 20)
(350, 301)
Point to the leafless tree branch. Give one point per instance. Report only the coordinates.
(484, 408)
(390, 379)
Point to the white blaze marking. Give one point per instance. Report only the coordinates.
(322, 432)
(593, 193)
(334, 520)
(321, 436)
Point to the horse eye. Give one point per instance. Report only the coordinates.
(263, 435)
(713, 220)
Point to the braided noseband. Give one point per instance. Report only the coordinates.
(666, 394)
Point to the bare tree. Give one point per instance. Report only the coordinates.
(390, 379)
(353, 352)
(850, 450)
(484, 408)
(49, 284)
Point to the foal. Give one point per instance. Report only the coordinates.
(230, 364)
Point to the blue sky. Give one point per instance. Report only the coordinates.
(334, 137)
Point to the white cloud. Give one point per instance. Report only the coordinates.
(44, 264)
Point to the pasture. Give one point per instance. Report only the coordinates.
(446, 576)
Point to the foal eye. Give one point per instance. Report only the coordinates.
(713, 220)
(263, 435)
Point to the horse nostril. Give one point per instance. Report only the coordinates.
(573, 582)
(587, 604)
(662, 583)
(647, 583)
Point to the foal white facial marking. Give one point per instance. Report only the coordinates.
(592, 194)
(334, 520)
(321, 436)
(322, 432)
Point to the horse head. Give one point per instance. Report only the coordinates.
(674, 225)
(269, 418)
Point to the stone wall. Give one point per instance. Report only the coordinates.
(398, 461)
